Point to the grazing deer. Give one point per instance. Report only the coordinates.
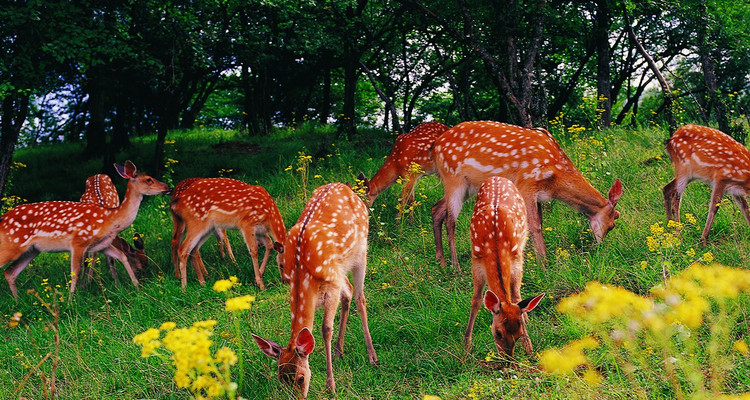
(178, 231)
(101, 191)
(469, 153)
(54, 226)
(328, 241)
(409, 148)
(498, 238)
(707, 154)
(211, 204)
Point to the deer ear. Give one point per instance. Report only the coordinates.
(121, 170)
(270, 348)
(491, 301)
(278, 247)
(130, 168)
(529, 304)
(615, 192)
(305, 342)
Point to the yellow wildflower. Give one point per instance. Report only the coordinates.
(741, 347)
(592, 378)
(708, 257)
(567, 359)
(167, 326)
(691, 219)
(644, 264)
(239, 303)
(222, 285)
(226, 355)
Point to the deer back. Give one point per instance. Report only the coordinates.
(411, 147)
(225, 202)
(100, 190)
(709, 154)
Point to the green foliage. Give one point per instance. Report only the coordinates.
(417, 310)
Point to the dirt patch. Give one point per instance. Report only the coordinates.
(236, 146)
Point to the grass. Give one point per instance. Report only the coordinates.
(418, 310)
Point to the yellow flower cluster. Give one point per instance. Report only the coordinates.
(569, 358)
(206, 376)
(661, 239)
(688, 293)
(601, 303)
(239, 303)
(223, 285)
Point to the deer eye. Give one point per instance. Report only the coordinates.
(149, 181)
(300, 381)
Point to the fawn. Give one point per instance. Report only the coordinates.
(55, 226)
(470, 152)
(498, 238)
(328, 241)
(709, 155)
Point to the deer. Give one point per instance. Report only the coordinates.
(101, 191)
(78, 228)
(470, 152)
(498, 237)
(409, 148)
(178, 231)
(709, 155)
(211, 204)
(328, 241)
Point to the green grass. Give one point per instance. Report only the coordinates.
(417, 310)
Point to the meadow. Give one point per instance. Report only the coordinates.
(417, 310)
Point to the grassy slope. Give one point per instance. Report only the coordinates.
(417, 310)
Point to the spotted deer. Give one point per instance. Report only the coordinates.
(328, 241)
(213, 204)
(178, 232)
(101, 191)
(469, 153)
(498, 238)
(709, 155)
(55, 226)
(409, 149)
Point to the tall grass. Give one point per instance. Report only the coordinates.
(418, 311)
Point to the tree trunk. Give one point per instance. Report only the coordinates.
(708, 64)
(96, 140)
(389, 106)
(601, 37)
(666, 91)
(325, 106)
(347, 121)
(15, 108)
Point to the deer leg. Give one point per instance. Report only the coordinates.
(111, 265)
(330, 304)
(89, 267)
(248, 234)
(741, 203)
(476, 303)
(407, 195)
(713, 206)
(76, 260)
(268, 245)
(535, 229)
(454, 202)
(178, 231)
(15, 268)
(114, 252)
(186, 249)
(358, 275)
(197, 261)
(346, 302)
(224, 246)
(439, 212)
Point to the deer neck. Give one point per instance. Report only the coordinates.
(303, 299)
(577, 192)
(386, 175)
(125, 214)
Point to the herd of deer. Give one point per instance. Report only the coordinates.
(513, 169)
